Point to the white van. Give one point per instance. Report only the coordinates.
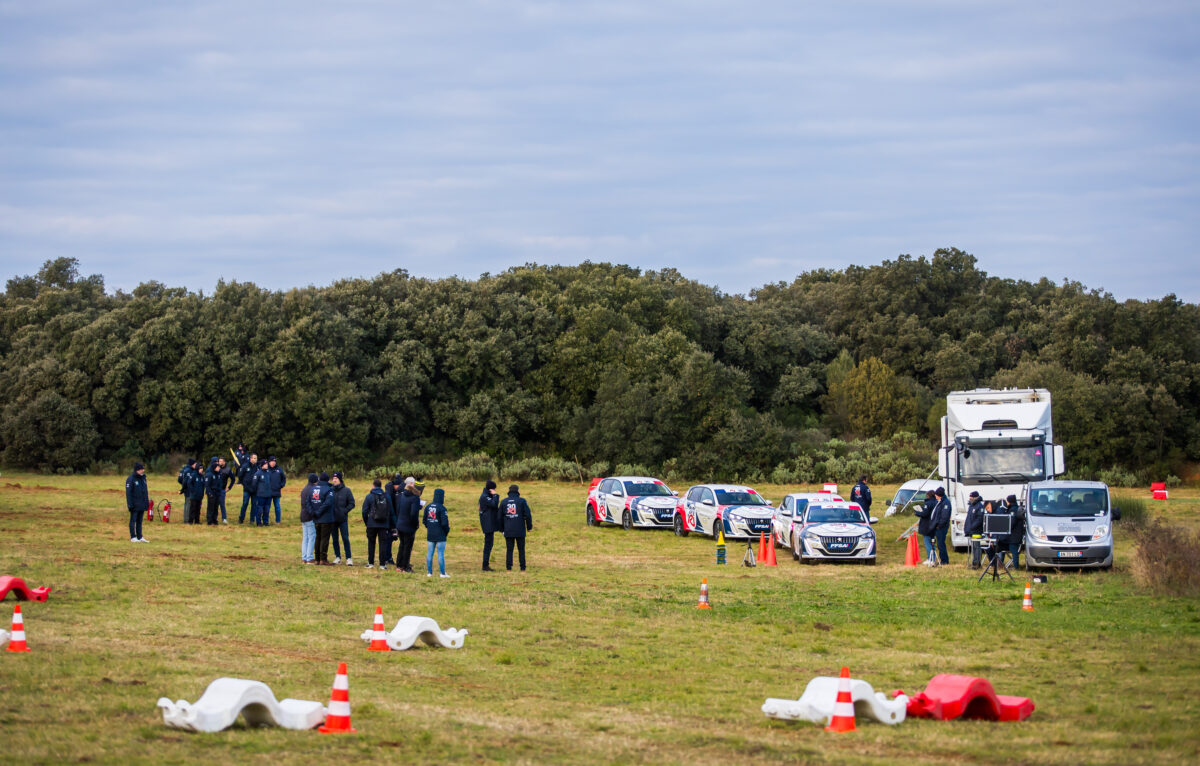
(916, 487)
(1069, 524)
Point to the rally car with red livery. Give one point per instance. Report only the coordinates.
(631, 501)
(737, 510)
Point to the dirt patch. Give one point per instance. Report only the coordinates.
(131, 682)
(240, 557)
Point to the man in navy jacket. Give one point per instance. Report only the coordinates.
(137, 498)
(378, 517)
(517, 519)
(278, 481)
(408, 521)
(343, 504)
(245, 477)
(320, 505)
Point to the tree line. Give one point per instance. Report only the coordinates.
(604, 365)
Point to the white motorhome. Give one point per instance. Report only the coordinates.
(995, 442)
(1069, 524)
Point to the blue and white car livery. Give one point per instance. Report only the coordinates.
(789, 515)
(832, 531)
(631, 501)
(738, 510)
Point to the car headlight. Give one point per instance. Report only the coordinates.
(1038, 533)
(1101, 531)
(811, 537)
(736, 517)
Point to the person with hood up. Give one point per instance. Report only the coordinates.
(489, 520)
(278, 481)
(973, 528)
(378, 518)
(408, 521)
(320, 505)
(437, 529)
(308, 522)
(518, 518)
(343, 504)
(137, 499)
(245, 476)
(261, 514)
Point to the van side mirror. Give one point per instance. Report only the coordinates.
(1116, 513)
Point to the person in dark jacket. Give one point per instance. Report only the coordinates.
(245, 477)
(195, 494)
(437, 529)
(213, 486)
(408, 521)
(308, 523)
(377, 517)
(261, 514)
(343, 504)
(861, 494)
(278, 481)
(227, 482)
(186, 474)
(517, 520)
(137, 499)
(973, 527)
(1011, 544)
(489, 520)
(940, 522)
(925, 526)
(320, 505)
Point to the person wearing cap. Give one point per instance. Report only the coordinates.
(1011, 544)
(489, 520)
(924, 512)
(973, 528)
(518, 519)
(320, 505)
(278, 481)
(378, 517)
(861, 494)
(214, 483)
(408, 521)
(940, 522)
(437, 529)
(137, 499)
(186, 475)
(343, 504)
(308, 523)
(261, 513)
(245, 477)
(227, 482)
(195, 494)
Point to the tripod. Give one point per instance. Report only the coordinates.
(995, 561)
(749, 559)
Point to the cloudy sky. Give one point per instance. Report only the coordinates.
(297, 142)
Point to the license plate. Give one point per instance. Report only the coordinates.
(839, 546)
(1070, 554)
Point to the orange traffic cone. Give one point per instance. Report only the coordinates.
(842, 719)
(1027, 604)
(771, 562)
(762, 547)
(379, 634)
(912, 554)
(703, 604)
(337, 719)
(17, 642)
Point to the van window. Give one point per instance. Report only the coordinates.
(1068, 502)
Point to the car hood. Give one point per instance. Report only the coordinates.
(750, 511)
(837, 529)
(655, 501)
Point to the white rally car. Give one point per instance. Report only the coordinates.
(788, 514)
(631, 501)
(834, 531)
(739, 510)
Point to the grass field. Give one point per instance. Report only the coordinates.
(595, 655)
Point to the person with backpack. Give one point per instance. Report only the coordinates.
(408, 521)
(861, 494)
(137, 499)
(518, 519)
(343, 504)
(377, 517)
(245, 476)
(489, 521)
(308, 523)
(261, 514)
(278, 482)
(437, 529)
(320, 505)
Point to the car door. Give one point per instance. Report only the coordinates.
(615, 500)
(690, 501)
(782, 521)
(706, 509)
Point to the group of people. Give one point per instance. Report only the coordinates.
(934, 524)
(262, 483)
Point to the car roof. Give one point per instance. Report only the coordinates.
(729, 487)
(921, 484)
(1066, 484)
(810, 496)
(650, 479)
(836, 504)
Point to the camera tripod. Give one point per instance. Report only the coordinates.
(995, 561)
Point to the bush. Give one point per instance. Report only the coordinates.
(1135, 512)
(1166, 558)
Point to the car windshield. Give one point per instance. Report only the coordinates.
(1068, 502)
(819, 515)
(732, 497)
(1002, 464)
(903, 496)
(642, 488)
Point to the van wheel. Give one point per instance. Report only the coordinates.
(677, 527)
(626, 521)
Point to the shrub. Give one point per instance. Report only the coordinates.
(1135, 512)
(1166, 558)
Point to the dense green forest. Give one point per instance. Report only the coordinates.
(602, 364)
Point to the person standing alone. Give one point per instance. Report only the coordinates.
(861, 494)
(489, 520)
(517, 520)
(137, 498)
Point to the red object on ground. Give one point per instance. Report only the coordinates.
(1158, 490)
(949, 696)
(912, 554)
(842, 719)
(771, 561)
(22, 591)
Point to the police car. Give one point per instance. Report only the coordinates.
(833, 531)
(786, 520)
(631, 501)
(740, 511)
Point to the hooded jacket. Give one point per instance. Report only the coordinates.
(861, 494)
(343, 503)
(246, 473)
(375, 498)
(306, 513)
(408, 515)
(437, 526)
(214, 482)
(489, 511)
(320, 502)
(974, 521)
(940, 517)
(193, 488)
(261, 483)
(278, 480)
(516, 514)
(137, 492)
(925, 514)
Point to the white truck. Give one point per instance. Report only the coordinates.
(995, 442)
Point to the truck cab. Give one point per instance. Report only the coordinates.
(1069, 524)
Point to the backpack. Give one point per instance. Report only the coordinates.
(380, 512)
(179, 477)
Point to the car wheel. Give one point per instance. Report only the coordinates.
(677, 526)
(591, 516)
(869, 562)
(809, 561)
(627, 520)
(792, 545)
(717, 524)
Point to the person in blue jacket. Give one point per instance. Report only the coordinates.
(261, 515)
(320, 505)
(437, 529)
(940, 523)
(408, 521)
(245, 476)
(343, 504)
(379, 519)
(194, 492)
(489, 520)
(278, 481)
(517, 519)
(214, 488)
(137, 498)
(861, 494)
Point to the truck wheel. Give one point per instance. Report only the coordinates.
(677, 527)
(626, 521)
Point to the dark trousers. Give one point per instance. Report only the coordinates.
(487, 549)
(261, 513)
(210, 510)
(135, 524)
(384, 536)
(508, 542)
(221, 505)
(940, 533)
(324, 532)
(191, 510)
(343, 527)
(404, 554)
(247, 499)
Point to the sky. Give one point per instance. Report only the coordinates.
(296, 142)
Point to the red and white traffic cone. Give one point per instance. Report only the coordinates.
(337, 719)
(379, 634)
(843, 709)
(703, 603)
(1027, 604)
(16, 642)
